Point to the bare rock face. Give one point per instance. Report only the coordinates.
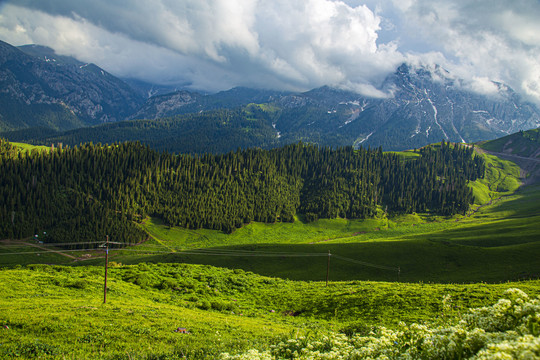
(59, 94)
(167, 105)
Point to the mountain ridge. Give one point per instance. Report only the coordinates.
(70, 94)
(424, 105)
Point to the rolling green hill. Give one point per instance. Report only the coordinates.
(78, 195)
(523, 143)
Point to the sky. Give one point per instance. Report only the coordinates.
(297, 45)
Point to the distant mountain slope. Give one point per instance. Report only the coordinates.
(216, 131)
(522, 148)
(426, 106)
(47, 54)
(58, 92)
(184, 102)
(522, 143)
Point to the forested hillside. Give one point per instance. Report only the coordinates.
(82, 193)
(217, 131)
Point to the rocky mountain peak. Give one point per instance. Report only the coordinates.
(40, 88)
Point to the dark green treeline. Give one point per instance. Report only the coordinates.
(80, 194)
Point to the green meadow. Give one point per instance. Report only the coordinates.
(265, 284)
(57, 312)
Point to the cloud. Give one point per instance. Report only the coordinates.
(212, 43)
(497, 40)
(288, 44)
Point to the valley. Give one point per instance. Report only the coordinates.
(260, 292)
(264, 224)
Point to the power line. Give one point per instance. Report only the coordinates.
(188, 252)
(217, 252)
(252, 251)
(367, 264)
(31, 243)
(45, 251)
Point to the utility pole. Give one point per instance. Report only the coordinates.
(328, 268)
(106, 269)
(398, 272)
(106, 246)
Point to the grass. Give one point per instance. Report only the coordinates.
(259, 233)
(28, 148)
(69, 318)
(407, 154)
(16, 253)
(501, 178)
(223, 310)
(523, 143)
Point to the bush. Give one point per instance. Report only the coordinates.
(167, 284)
(311, 217)
(509, 329)
(204, 305)
(78, 284)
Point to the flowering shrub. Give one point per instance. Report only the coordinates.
(509, 329)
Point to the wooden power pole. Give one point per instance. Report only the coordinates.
(328, 268)
(106, 246)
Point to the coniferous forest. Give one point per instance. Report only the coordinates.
(83, 193)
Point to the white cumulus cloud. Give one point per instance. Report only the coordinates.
(282, 44)
(288, 44)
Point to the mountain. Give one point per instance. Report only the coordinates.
(147, 90)
(40, 88)
(184, 102)
(215, 131)
(425, 107)
(43, 94)
(47, 54)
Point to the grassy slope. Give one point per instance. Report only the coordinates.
(224, 310)
(27, 147)
(68, 317)
(502, 177)
(523, 143)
